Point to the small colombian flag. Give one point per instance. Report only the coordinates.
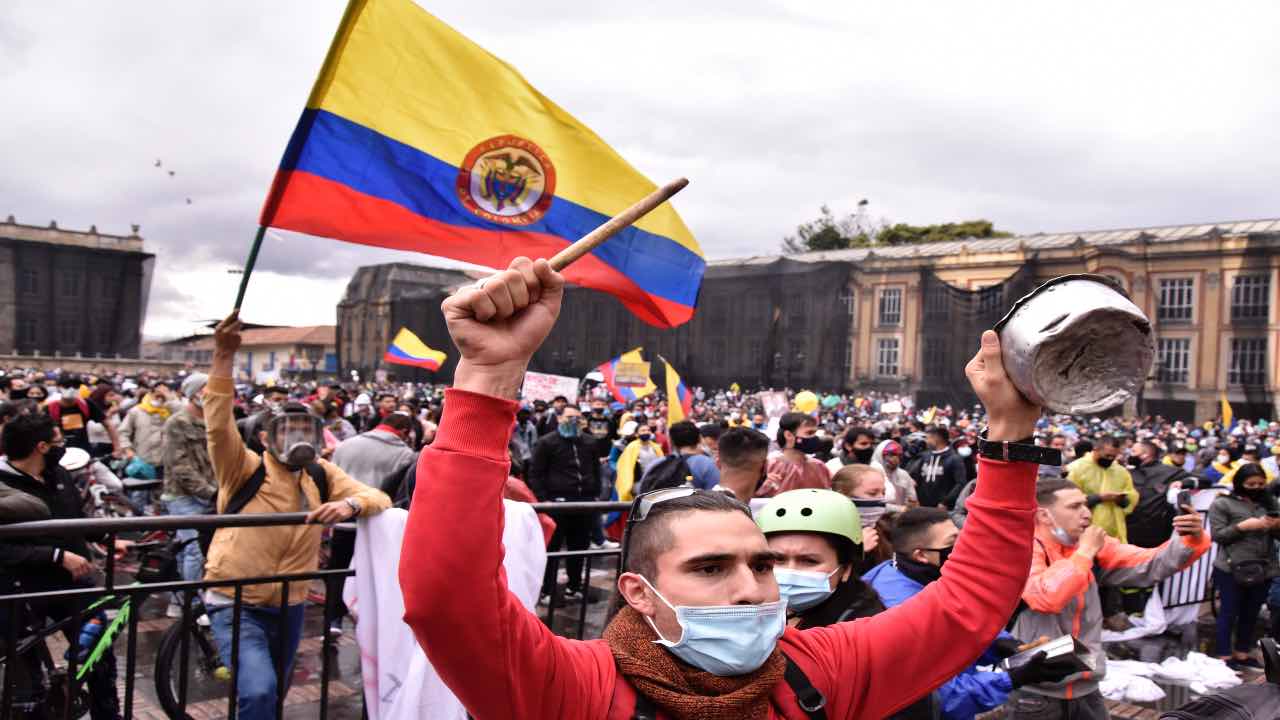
(407, 349)
(679, 399)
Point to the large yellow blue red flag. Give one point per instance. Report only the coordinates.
(416, 138)
(679, 399)
(624, 393)
(408, 349)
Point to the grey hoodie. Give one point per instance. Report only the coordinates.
(371, 457)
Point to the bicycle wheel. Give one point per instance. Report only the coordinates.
(206, 678)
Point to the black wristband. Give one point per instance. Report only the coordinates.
(1024, 450)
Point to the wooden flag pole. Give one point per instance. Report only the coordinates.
(596, 238)
(248, 265)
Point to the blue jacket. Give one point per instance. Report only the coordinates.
(972, 691)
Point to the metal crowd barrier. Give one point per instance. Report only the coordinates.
(15, 606)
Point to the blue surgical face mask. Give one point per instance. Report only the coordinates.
(724, 640)
(803, 589)
(568, 429)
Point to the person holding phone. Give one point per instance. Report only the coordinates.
(1244, 524)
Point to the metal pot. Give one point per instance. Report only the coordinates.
(1077, 345)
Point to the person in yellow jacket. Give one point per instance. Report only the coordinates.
(289, 471)
(1250, 454)
(1108, 486)
(638, 455)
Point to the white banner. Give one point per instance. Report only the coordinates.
(545, 387)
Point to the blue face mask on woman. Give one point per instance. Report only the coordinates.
(724, 640)
(803, 589)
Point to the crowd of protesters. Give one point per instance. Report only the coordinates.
(861, 497)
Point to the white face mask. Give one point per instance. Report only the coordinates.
(964, 451)
(803, 589)
(1224, 459)
(724, 640)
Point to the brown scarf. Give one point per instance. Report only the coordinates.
(683, 691)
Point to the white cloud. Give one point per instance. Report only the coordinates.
(1038, 117)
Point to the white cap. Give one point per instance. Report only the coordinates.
(363, 399)
(628, 429)
(74, 459)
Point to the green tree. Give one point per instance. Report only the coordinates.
(828, 232)
(903, 234)
(856, 230)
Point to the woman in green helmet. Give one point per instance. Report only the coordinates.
(819, 538)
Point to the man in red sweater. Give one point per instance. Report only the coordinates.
(701, 634)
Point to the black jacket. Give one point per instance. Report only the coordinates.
(567, 468)
(29, 562)
(1151, 521)
(939, 477)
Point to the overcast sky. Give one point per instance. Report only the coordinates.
(1073, 116)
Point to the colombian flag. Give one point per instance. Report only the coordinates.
(407, 349)
(415, 138)
(625, 394)
(679, 399)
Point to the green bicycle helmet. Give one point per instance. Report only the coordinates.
(811, 510)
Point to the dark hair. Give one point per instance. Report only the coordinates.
(24, 432)
(652, 536)
(398, 422)
(560, 398)
(1107, 441)
(792, 422)
(1244, 472)
(711, 430)
(683, 434)
(852, 435)
(275, 390)
(386, 395)
(1149, 446)
(939, 432)
(1083, 448)
(69, 381)
(1047, 490)
(739, 445)
(913, 525)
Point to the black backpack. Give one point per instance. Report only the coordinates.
(671, 471)
(247, 492)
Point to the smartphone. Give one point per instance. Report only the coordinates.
(1184, 501)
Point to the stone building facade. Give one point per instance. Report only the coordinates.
(71, 292)
(907, 318)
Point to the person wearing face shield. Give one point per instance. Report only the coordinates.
(702, 630)
(923, 540)
(289, 476)
(1071, 558)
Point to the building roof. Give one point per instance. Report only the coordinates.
(1038, 241)
(90, 238)
(326, 335)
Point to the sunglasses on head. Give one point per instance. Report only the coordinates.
(639, 511)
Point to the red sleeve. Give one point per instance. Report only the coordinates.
(498, 658)
(875, 666)
(518, 491)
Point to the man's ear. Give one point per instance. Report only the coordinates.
(637, 594)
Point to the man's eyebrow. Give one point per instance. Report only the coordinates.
(708, 558)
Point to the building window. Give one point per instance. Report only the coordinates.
(887, 357)
(68, 331)
(796, 315)
(271, 360)
(27, 331)
(1175, 303)
(756, 309)
(754, 353)
(934, 352)
(847, 365)
(29, 282)
(937, 303)
(104, 334)
(847, 299)
(990, 299)
(891, 307)
(71, 283)
(1250, 297)
(1248, 362)
(1174, 358)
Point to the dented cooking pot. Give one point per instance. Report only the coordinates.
(1077, 345)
